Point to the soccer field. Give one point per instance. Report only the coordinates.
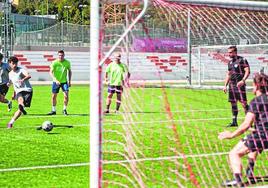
(34, 158)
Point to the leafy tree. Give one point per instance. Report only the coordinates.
(65, 9)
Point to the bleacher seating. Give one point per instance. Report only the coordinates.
(143, 66)
(38, 62)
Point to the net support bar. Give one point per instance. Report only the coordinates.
(126, 32)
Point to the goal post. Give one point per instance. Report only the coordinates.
(96, 89)
(95, 98)
(210, 62)
(165, 133)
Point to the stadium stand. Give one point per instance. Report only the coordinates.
(148, 66)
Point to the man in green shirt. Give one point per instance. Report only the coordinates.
(114, 76)
(60, 71)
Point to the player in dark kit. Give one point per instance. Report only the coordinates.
(238, 72)
(256, 141)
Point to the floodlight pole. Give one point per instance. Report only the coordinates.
(95, 98)
(6, 30)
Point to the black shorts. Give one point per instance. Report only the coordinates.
(237, 94)
(4, 89)
(113, 89)
(256, 142)
(27, 97)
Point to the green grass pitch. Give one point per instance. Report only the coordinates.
(34, 158)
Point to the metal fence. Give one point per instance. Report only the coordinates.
(61, 34)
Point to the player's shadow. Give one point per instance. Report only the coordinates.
(56, 126)
(78, 114)
(63, 126)
(257, 179)
(58, 114)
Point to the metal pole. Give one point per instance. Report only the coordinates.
(47, 7)
(95, 98)
(127, 36)
(199, 63)
(6, 40)
(82, 20)
(61, 33)
(189, 48)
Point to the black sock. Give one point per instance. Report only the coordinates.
(117, 106)
(234, 112)
(250, 168)
(238, 178)
(235, 120)
(107, 107)
(246, 108)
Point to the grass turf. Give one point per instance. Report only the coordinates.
(197, 116)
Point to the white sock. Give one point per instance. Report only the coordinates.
(12, 121)
(64, 107)
(54, 108)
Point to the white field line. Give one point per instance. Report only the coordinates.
(59, 126)
(43, 167)
(32, 116)
(110, 162)
(124, 123)
(107, 123)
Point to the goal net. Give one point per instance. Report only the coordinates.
(166, 131)
(209, 63)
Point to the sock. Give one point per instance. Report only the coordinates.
(12, 121)
(246, 108)
(64, 107)
(107, 107)
(117, 106)
(250, 168)
(238, 178)
(53, 108)
(234, 112)
(235, 119)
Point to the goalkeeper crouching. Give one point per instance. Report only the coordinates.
(255, 142)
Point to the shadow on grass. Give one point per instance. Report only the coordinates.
(256, 180)
(56, 126)
(58, 115)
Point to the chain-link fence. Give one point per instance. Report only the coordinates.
(61, 34)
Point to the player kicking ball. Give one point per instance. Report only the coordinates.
(255, 142)
(22, 88)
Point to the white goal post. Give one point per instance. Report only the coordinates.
(95, 89)
(209, 63)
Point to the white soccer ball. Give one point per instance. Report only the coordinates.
(47, 126)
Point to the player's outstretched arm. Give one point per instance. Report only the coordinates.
(240, 130)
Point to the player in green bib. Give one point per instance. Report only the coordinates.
(114, 77)
(60, 71)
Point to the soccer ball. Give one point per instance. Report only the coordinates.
(47, 126)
